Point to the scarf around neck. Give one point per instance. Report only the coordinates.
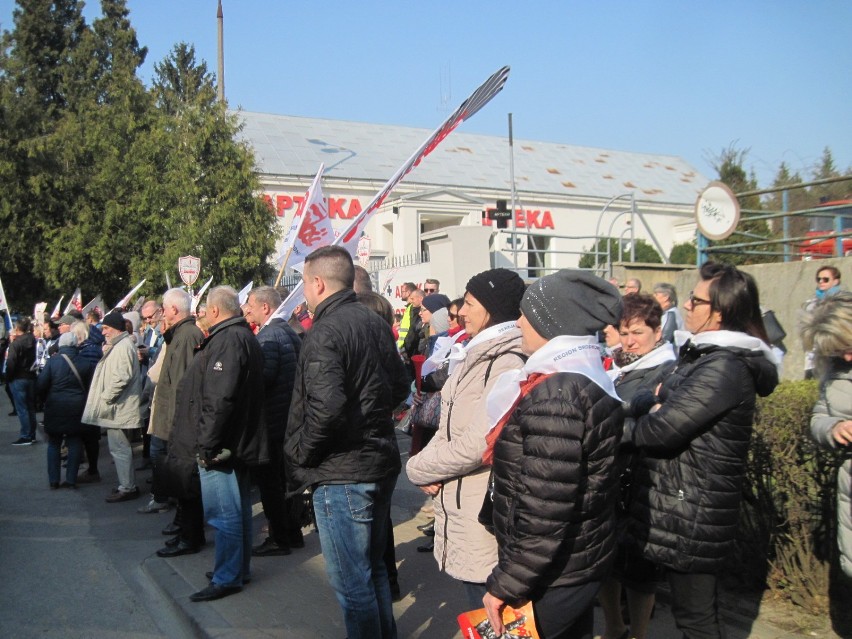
(459, 352)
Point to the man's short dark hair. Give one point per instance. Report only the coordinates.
(363, 282)
(333, 264)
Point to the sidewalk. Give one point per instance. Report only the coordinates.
(290, 596)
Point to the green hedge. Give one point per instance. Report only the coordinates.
(787, 536)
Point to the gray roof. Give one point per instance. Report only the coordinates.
(291, 145)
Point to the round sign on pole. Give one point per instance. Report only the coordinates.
(717, 211)
(189, 268)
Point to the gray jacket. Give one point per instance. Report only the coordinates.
(835, 405)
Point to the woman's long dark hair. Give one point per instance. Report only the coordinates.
(733, 293)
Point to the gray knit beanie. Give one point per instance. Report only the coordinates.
(440, 320)
(571, 302)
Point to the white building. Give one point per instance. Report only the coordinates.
(561, 191)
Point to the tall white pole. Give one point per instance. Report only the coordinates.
(221, 57)
(512, 180)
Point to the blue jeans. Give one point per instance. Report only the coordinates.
(54, 458)
(23, 394)
(352, 520)
(227, 507)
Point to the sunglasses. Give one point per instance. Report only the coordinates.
(430, 290)
(823, 280)
(451, 316)
(696, 301)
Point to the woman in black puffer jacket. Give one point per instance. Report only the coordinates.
(556, 425)
(688, 483)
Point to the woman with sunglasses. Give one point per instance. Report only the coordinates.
(693, 443)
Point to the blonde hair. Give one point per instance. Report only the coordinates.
(827, 328)
(81, 331)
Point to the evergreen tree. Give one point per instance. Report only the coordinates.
(684, 253)
(729, 165)
(645, 253)
(34, 61)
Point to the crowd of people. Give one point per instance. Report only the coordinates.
(573, 442)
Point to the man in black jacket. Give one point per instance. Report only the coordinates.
(280, 346)
(220, 397)
(340, 438)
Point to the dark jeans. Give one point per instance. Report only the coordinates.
(23, 394)
(54, 458)
(695, 604)
(281, 512)
(567, 612)
(92, 444)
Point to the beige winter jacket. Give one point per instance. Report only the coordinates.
(113, 400)
(463, 547)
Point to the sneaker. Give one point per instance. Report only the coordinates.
(154, 506)
(23, 441)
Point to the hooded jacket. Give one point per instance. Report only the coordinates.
(687, 486)
(348, 381)
(464, 548)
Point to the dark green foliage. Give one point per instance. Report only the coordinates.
(684, 253)
(644, 253)
(104, 182)
(789, 517)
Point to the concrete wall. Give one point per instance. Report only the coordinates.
(784, 288)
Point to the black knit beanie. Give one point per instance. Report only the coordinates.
(114, 320)
(499, 291)
(571, 302)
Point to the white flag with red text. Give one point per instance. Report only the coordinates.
(310, 227)
(76, 301)
(350, 237)
(55, 314)
(126, 299)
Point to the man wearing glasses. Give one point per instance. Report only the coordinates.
(152, 339)
(827, 284)
(431, 286)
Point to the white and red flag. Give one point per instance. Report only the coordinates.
(126, 299)
(350, 237)
(310, 227)
(244, 293)
(76, 301)
(55, 314)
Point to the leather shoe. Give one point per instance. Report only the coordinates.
(209, 575)
(269, 548)
(182, 548)
(174, 541)
(119, 495)
(429, 524)
(426, 547)
(214, 591)
(171, 529)
(429, 530)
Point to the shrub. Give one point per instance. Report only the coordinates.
(787, 536)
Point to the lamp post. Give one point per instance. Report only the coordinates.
(631, 210)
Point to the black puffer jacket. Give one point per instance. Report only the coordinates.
(688, 482)
(349, 379)
(217, 405)
(555, 489)
(280, 345)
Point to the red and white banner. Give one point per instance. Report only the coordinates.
(124, 300)
(350, 237)
(244, 293)
(310, 228)
(76, 301)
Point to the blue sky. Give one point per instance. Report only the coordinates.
(679, 78)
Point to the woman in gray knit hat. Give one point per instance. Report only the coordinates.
(554, 428)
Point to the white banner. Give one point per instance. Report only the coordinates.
(76, 301)
(196, 299)
(124, 300)
(350, 237)
(310, 228)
